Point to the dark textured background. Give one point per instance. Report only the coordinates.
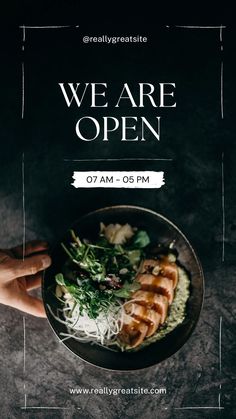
(193, 135)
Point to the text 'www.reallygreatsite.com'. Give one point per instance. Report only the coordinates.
(116, 391)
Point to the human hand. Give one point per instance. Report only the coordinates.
(18, 276)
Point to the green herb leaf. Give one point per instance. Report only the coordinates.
(141, 239)
(127, 289)
(60, 279)
(134, 256)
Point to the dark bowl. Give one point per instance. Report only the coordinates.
(160, 230)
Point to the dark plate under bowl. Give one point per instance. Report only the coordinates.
(160, 230)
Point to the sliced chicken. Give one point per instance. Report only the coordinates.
(158, 284)
(150, 317)
(148, 307)
(148, 265)
(169, 270)
(152, 300)
(133, 332)
(161, 267)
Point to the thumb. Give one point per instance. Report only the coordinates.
(30, 305)
(15, 268)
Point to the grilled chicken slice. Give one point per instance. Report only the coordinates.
(150, 317)
(133, 332)
(161, 267)
(149, 306)
(169, 270)
(158, 284)
(148, 265)
(152, 300)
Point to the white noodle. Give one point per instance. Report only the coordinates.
(104, 329)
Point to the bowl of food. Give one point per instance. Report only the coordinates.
(125, 288)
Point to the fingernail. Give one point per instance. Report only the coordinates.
(46, 260)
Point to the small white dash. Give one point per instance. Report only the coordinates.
(23, 90)
(45, 27)
(221, 90)
(198, 407)
(223, 206)
(200, 27)
(24, 340)
(23, 205)
(44, 407)
(23, 27)
(220, 340)
(121, 159)
(221, 27)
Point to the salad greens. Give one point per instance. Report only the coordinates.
(96, 274)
